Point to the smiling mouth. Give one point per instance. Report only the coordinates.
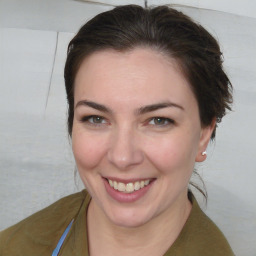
(129, 187)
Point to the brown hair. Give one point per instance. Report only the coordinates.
(163, 29)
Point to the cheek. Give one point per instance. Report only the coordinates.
(88, 150)
(174, 154)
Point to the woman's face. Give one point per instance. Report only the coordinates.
(136, 127)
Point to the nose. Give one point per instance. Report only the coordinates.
(124, 150)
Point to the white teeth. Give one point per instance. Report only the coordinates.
(129, 187)
(121, 187)
(137, 185)
(146, 182)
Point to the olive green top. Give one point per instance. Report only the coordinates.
(39, 234)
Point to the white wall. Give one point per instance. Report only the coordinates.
(36, 164)
(243, 8)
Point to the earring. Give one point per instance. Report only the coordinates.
(204, 153)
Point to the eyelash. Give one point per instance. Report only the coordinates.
(86, 119)
(102, 121)
(167, 121)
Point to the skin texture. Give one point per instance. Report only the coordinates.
(124, 140)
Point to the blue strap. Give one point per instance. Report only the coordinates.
(57, 249)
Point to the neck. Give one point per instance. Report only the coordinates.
(152, 238)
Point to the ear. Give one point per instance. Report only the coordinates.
(205, 136)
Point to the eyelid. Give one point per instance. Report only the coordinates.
(86, 119)
(103, 121)
(165, 119)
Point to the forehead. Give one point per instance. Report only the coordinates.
(140, 74)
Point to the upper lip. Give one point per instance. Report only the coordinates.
(126, 181)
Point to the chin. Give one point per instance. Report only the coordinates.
(129, 218)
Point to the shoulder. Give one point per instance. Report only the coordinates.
(201, 236)
(40, 231)
(208, 237)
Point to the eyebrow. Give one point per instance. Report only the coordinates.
(140, 111)
(94, 105)
(154, 107)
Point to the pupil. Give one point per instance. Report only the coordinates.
(159, 120)
(97, 119)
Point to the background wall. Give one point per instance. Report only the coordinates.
(36, 164)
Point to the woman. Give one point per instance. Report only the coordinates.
(145, 89)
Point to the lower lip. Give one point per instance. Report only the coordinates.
(127, 197)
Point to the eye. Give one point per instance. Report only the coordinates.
(94, 120)
(160, 121)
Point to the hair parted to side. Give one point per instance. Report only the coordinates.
(165, 30)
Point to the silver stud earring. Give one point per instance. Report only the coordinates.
(204, 153)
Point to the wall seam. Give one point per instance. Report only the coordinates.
(53, 65)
